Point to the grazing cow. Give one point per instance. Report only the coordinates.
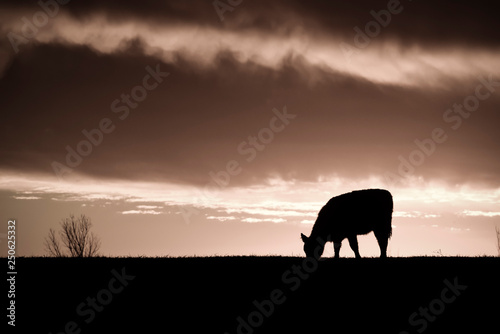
(349, 215)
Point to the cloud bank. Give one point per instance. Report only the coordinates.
(361, 101)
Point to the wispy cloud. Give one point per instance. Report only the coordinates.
(149, 207)
(459, 229)
(480, 213)
(291, 201)
(259, 220)
(414, 214)
(27, 197)
(271, 212)
(221, 218)
(140, 212)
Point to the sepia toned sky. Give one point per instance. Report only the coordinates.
(188, 128)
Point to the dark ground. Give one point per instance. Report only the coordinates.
(216, 295)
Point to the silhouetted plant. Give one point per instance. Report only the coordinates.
(76, 238)
(497, 229)
(438, 252)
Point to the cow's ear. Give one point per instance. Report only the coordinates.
(304, 238)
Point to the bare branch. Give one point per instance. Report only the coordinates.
(52, 245)
(92, 246)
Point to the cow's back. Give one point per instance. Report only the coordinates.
(358, 212)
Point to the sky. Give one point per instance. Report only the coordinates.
(200, 128)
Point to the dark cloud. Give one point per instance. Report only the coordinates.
(442, 23)
(418, 22)
(194, 121)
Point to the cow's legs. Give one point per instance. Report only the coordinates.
(382, 239)
(336, 247)
(353, 242)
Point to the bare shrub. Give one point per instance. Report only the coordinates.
(76, 237)
(497, 229)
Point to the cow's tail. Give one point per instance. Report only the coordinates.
(390, 208)
(389, 234)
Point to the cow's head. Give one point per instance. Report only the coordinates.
(312, 248)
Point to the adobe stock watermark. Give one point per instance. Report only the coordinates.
(453, 117)
(31, 26)
(249, 150)
(92, 305)
(420, 320)
(222, 6)
(292, 278)
(372, 29)
(121, 107)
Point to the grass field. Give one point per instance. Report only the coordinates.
(257, 295)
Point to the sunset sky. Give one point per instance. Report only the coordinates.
(222, 127)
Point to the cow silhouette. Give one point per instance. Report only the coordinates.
(349, 215)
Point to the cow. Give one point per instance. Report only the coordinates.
(349, 215)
